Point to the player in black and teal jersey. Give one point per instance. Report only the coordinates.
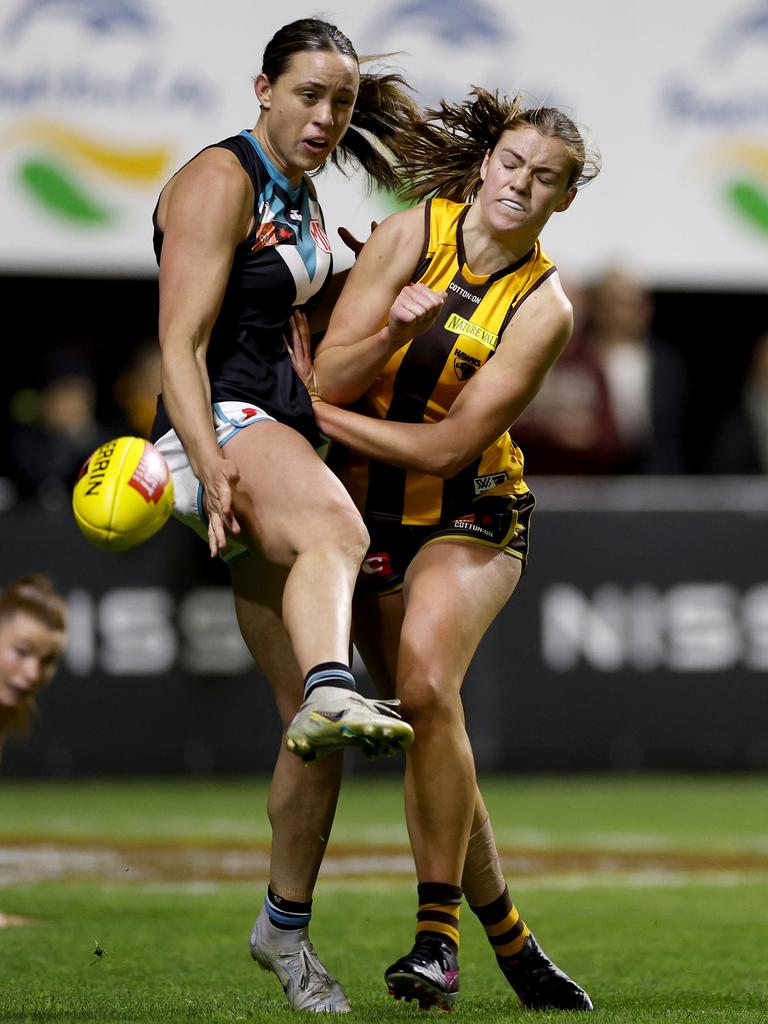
(240, 242)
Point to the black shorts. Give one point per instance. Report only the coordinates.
(495, 522)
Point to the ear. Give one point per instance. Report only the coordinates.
(484, 165)
(263, 90)
(570, 195)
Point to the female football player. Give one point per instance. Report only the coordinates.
(240, 242)
(33, 635)
(446, 328)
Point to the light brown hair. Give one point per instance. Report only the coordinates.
(35, 595)
(441, 153)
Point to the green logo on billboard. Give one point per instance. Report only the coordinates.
(53, 188)
(751, 201)
(59, 178)
(747, 193)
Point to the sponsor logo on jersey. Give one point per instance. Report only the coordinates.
(467, 524)
(295, 215)
(453, 287)
(377, 563)
(458, 325)
(319, 235)
(487, 483)
(464, 365)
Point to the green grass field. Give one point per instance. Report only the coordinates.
(651, 891)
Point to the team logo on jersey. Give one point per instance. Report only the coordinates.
(318, 234)
(248, 412)
(487, 483)
(274, 233)
(464, 365)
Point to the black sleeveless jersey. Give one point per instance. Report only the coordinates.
(284, 262)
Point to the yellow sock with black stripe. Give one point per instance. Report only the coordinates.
(506, 930)
(438, 914)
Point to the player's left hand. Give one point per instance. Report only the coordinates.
(299, 346)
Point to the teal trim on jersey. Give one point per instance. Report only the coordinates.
(305, 243)
(236, 425)
(307, 246)
(274, 173)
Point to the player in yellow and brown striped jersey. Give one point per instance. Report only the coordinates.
(445, 330)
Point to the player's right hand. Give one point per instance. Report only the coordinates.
(351, 241)
(218, 486)
(414, 311)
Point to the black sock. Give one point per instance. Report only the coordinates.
(506, 930)
(438, 914)
(287, 915)
(329, 673)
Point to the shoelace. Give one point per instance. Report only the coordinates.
(384, 707)
(310, 966)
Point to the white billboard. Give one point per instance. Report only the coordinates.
(101, 100)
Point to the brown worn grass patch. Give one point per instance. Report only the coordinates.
(22, 860)
(12, 920)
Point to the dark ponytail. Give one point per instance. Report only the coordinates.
(383, 109)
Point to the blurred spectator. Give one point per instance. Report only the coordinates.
(742, 444)
(614, 402)
(136, 390)
(645, 375)
(570, 428)
(55, 429)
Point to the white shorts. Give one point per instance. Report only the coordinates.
(229, 418)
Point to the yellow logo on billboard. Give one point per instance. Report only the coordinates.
(58, 187)
(458, 325)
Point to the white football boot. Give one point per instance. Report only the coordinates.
(291, 956)
(332, 718)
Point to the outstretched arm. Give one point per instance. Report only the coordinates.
(486, 407)
(205, 216)
(378, 311)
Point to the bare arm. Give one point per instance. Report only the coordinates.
(356, 346)
(485, 409)
(205, 214)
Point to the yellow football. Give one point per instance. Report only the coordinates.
(124, 494)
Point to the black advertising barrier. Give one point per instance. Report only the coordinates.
(638, 639)
(156, 677)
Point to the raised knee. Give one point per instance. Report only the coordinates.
(426, 701)
(346, 531)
